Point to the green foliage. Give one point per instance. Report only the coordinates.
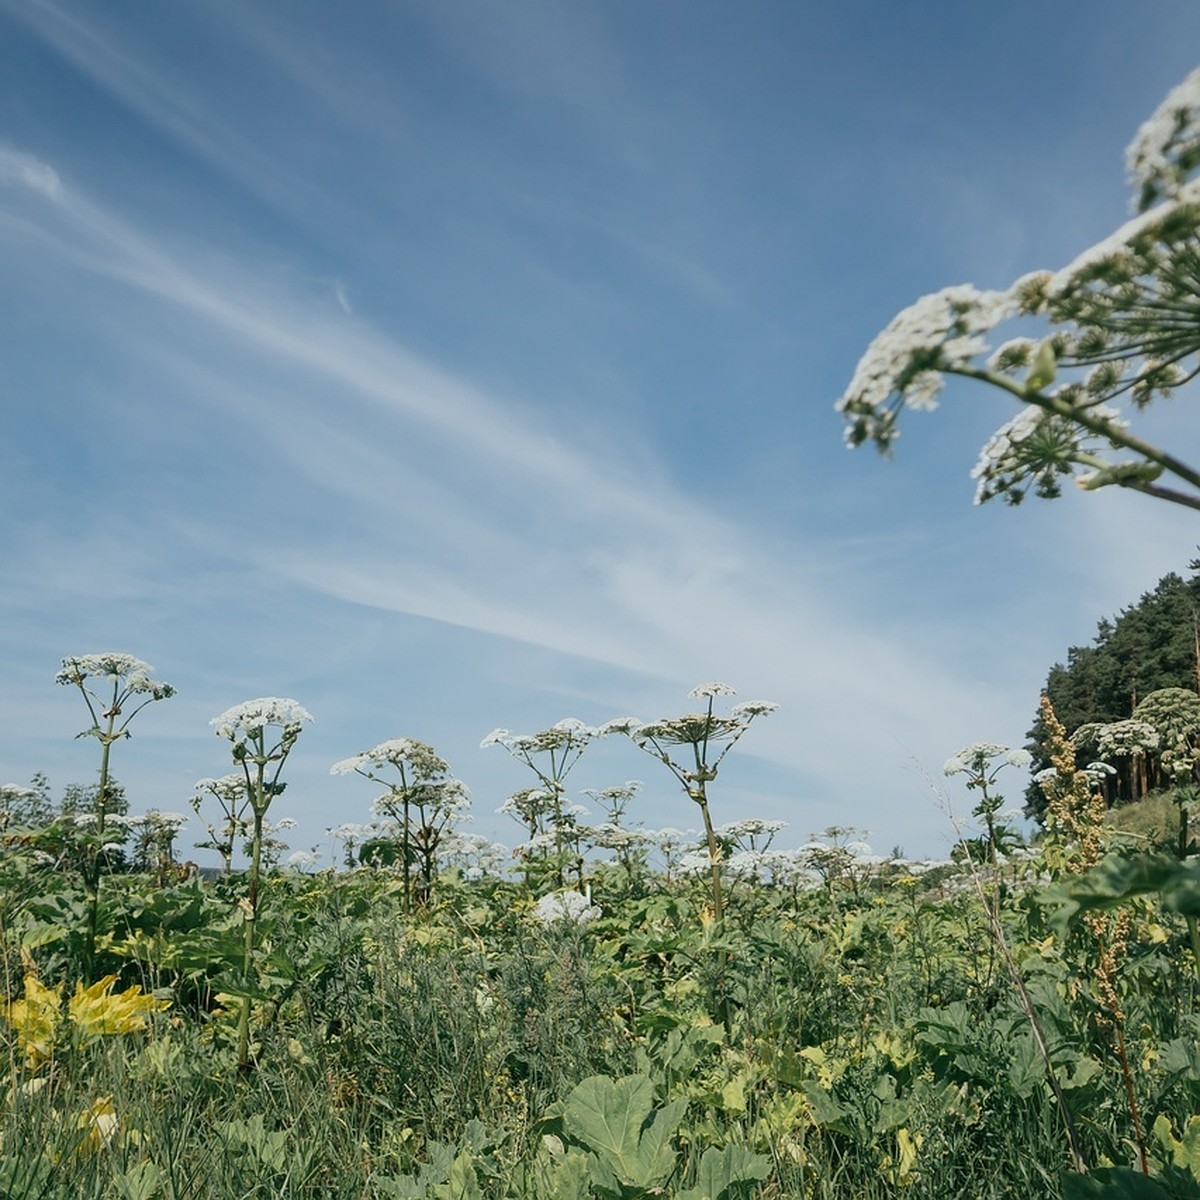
(867, 1040)
(1122, 1183)
(727, 1172)
(1117, 879)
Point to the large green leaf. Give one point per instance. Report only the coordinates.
(724, 1171)
(1184, 1150)
(1122, 1183)
(1118, 878)
(461, 1184)
(617, 1121)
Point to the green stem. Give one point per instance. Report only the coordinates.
(250, 919)
(405, 854)
(91, 873)
(720, 1000)
(714, 858)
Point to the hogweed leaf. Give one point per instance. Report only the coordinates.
(616, 1120)
(1117, 879)
(727, 1172)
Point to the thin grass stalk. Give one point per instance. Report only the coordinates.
(1078, 1161)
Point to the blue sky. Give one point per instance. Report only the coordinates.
(447, 365)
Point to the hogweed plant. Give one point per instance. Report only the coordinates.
(154, 835)
(550, 755)
(982, 763)
(233, 801)
(272, 847)
(115, 688)
(421, 803)
(1123, 328)
(701, 740)
(261, 734)
(631, 846)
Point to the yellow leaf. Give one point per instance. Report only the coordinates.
(908, 1146)
(733, 1094)
(34, 1019)
(99, 1121)
(95, 1011)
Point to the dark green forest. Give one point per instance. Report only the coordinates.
(1131, 699)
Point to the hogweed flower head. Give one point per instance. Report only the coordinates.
(615, 800)
(569, 907)
(403, 753)
(229, 788)
(903, 367)
(626, 725)
(248, 721)
(1124, 322)
(132, 674)
(750, 827)
(1166, 148)
(123, 678)
(697, 730)
(711, 689)
(980, 757)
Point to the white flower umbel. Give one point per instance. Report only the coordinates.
(247, 721)
(23, 808)
(971, 758)
(751, 834)
(568, 907)
(704, 690)
(627, 725)
(904, 365)
(303, 860)
(1166, 148)
(131, 674)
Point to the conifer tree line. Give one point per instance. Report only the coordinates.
(1131, 699)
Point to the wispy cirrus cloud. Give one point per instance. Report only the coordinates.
(400, 488)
